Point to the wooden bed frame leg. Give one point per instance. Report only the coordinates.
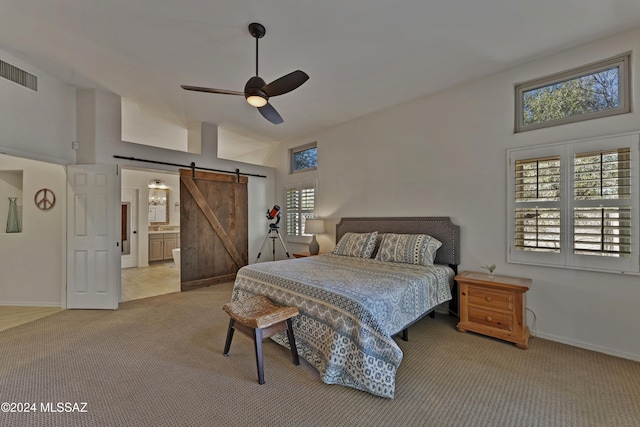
(405, 334)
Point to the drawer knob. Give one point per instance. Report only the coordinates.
(489, 319)
(489, 299)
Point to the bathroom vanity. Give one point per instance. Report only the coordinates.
(161, 245)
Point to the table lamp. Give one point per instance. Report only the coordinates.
(314, 226)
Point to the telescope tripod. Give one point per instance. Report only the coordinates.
(273, 230)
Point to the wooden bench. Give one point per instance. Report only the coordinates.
(259, 318)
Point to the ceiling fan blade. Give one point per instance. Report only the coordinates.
(211, 90)
(286, 83)
(270, 113)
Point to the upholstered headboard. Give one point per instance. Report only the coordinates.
(439, 227)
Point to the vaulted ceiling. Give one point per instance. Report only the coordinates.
(361, 56)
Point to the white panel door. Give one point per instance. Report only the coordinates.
(93, 240)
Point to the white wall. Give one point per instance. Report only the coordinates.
(242, 147)
(143, 124)
(32, 262)
(445, 154)
(39, 125)
(36, 125)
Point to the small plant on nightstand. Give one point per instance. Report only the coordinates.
(490, 269)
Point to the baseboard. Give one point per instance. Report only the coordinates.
(591, 347)
(30, 304)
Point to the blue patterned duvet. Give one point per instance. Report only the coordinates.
(349, 310)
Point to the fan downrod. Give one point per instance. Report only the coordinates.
(257, 30)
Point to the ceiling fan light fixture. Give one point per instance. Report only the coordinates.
(257, 100)
(254, 94)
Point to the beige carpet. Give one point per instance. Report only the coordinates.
(158, 362)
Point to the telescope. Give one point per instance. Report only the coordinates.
(273, 233)
(274, 213)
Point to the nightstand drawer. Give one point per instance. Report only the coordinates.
(491, 318)
(490, 298)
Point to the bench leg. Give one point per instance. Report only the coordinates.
(257, 337)
(292, 343)
(227, 344)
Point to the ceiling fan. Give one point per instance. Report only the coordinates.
(256, 92)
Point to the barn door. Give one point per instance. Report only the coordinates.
(213, 228)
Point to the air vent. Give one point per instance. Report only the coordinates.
(19, 76)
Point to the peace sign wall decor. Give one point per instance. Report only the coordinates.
(44, 199)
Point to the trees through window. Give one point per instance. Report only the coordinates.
(593, 91)
(303, 158)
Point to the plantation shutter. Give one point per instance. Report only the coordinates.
(602, 203)
(537, 204)
(300, 203)
(576, 204)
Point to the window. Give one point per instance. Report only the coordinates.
(303, 158)
(537, 200)
(301, 204)
(597, 90)
(576, 204)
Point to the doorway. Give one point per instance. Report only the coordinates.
(129, 228)
(144, 274)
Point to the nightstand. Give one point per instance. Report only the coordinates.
(494, 307)
(302, 254)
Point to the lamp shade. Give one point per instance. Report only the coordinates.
(314, 226)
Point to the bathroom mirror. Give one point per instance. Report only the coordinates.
(158, 206)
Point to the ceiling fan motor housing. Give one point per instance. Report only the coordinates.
(254, 88)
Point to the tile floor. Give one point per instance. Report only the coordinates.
(144, 282)
(11, 316)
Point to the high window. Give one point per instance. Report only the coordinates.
(589, 92)
(301, 204)
(576, 204)
(303, 158)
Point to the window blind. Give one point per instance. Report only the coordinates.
(602, 203)
(537, 195)
(300, 203)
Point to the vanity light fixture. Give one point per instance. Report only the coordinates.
(157, 183)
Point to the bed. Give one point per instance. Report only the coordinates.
(351, 307)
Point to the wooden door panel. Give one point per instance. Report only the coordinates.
(213, 228)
